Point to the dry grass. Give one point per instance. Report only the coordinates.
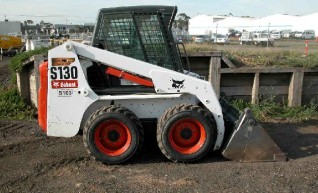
(287, 53)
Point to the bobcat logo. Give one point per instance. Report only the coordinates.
(56, 84)
(177, 83)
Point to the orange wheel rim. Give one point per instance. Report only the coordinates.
(187, 136)
(112, 137)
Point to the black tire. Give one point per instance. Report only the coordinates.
(122, 135)
(186, 133)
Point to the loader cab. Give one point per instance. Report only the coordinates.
(140, 32)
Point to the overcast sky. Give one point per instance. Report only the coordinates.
(79, 11)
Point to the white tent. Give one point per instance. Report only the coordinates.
(232, 23)
(203, 25)
(308, 22)
(275, 22)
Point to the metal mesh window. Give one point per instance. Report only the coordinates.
(139, 34)
(119, 34)
(153, 40)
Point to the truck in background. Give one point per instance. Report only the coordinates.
(246, 38)
(7, 42)
(10, 45)
(263, 39)
(258, 39)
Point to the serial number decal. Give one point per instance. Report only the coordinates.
(64, 84)
(62, 61)
(65, 93)
(64, 72)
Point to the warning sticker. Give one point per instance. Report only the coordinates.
(64, 84)
(62, 61)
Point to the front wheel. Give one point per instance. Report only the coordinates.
(113, 135)
(186, 133)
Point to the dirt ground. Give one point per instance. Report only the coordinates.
(33, 162)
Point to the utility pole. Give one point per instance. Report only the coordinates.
(66, 24)
(5, 25)
(216, 33)
(268, 34)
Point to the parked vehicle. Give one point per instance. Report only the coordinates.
(286, 33)
(308, 34)
(200, 39)
(213, 37)
(292, 34)
(258, 39)
(263, 39)
(7, 42)
(275, 35)
(222, 39)
(298, 34)
(246, 38)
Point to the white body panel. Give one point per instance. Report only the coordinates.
(154, 107)
(65, 113)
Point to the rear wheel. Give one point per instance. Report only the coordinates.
(186, 133)
(113, 135)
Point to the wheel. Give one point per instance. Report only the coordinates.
(186, 133)
(113, 135)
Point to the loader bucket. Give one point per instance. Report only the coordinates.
(248, 141)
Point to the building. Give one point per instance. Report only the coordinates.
(204, 24)
(10, 27)
(73, 28)
(30, 29)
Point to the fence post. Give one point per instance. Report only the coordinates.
(214, 73)
(255, 89)
(295, 89)
(306, 47)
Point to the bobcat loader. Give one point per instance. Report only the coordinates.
(133, 73)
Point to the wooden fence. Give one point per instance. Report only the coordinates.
(295, 85)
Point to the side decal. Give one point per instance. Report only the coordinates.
(64, 84)
(62, 61)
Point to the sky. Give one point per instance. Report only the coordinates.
(80, 11)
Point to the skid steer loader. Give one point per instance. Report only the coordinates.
(133, 73)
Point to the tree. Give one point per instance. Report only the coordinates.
(182, 21)
(28, 22)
